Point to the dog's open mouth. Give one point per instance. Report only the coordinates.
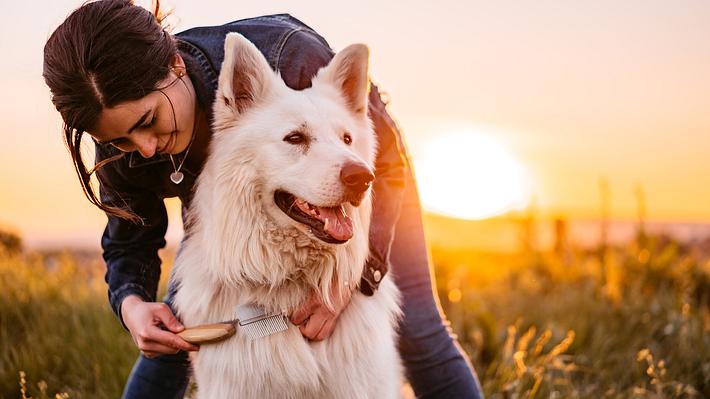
(329, 224)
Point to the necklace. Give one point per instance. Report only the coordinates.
(176, 177)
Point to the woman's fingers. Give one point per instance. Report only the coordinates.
(152, 349)
(314, 325)
(167, 318)
(153, 339)
(305, 311)
(315, 319)
(145, 319)
(167, 338)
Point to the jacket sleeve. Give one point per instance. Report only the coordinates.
(304, 53)
(388, 189)
(130, 249)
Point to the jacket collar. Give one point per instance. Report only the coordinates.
(136, 160)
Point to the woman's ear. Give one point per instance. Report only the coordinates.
(178, 66)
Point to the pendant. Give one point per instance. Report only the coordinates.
(176, 177)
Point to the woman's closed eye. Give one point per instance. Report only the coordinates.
(151, 122)
(122, 142)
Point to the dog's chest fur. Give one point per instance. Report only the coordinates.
(358, 361)
(349, 364)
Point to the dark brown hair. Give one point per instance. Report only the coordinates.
(106, 52)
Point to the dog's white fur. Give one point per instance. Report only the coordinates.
(242, 248)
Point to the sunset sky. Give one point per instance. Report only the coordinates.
(573, 91)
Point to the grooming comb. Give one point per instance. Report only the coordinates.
(252, 319)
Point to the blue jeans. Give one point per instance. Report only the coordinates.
(435, 365)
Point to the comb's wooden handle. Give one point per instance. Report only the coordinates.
(207, 333)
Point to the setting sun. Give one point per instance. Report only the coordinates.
(469, 175)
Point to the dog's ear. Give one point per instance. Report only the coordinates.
(348, 72)
(246, 77)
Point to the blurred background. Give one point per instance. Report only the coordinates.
(561, 156)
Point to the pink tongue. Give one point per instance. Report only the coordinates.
(339, 226)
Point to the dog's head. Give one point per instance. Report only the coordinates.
(309, 155)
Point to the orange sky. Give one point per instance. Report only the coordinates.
(575, 91)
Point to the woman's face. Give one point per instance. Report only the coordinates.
(146, 125)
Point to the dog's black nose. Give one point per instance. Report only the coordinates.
(356, 177)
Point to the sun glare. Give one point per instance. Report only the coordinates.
(468, 175)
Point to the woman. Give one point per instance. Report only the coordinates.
(144, 97)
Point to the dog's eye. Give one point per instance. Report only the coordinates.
(347, 139)
(295, 138)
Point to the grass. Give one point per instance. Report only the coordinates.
(624, 322)
(57, 329)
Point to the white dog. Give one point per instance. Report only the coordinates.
(281, 208)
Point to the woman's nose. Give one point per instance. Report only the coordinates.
(146, 143)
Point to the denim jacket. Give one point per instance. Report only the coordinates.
(141, 184)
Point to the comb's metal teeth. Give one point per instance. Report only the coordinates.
(265, 326)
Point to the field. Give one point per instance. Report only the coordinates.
(617, 322)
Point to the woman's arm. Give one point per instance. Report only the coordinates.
(133, 264)
(387, 191)
(130, 249)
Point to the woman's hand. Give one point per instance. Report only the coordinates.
(316, 320)
(144, 321)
